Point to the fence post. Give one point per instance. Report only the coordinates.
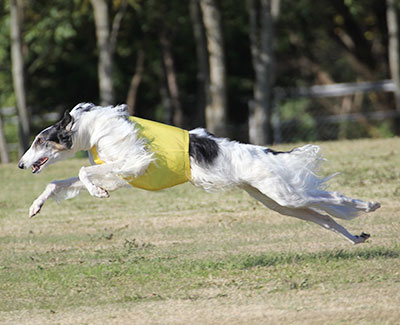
(5, 158)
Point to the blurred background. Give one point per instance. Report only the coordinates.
(259, 71)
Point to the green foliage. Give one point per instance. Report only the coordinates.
(6, 90)
(61, 61)
(317, 42)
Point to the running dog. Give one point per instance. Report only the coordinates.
(128, 151)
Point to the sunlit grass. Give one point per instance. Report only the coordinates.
(220, 255)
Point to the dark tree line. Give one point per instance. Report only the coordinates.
(189, 63)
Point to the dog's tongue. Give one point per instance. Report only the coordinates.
(37, 166)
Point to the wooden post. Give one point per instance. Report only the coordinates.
(394, 65)
(4, 156)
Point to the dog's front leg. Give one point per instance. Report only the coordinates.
(85, 174)
(66, 189)
(100, 179)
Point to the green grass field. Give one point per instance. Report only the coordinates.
(183, 256)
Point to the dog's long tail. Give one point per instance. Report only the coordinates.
(293, 181)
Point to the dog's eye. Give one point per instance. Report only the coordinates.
(40, 141)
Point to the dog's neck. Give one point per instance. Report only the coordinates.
(107, 130)
(83, 137)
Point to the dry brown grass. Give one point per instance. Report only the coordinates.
(184, 256)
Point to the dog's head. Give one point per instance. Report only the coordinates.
(50, 145)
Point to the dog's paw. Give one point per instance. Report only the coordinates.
(99, 192)
(35, 208)
(362, 238)
(372, 206)
(365, 235)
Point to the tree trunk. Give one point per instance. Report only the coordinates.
(170, 76)
(203, 77)
(135, 82)
(216, 110)
(105, 64)
(262, 46)
(165, 101)
(116, 25)
(18, 73)
(4, 156)
(394, 64)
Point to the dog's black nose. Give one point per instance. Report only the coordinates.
(21, 165)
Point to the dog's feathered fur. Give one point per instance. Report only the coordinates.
(283, 181)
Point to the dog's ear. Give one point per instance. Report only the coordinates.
(64, 127)
(67, 121)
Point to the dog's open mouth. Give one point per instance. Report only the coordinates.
(38, 165)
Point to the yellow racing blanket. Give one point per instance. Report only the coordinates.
(170, 146)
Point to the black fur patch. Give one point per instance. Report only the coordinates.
(65, 138)
(58, 132)
(57, 135)
(85, 107)
(274, 152)
(51, 134)
(204, 150)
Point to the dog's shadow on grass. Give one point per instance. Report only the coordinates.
(265, 260)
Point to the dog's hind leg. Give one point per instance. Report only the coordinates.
(341, 206)
(63, 189)
(307, 215)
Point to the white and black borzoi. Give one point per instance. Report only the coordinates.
(283, 181)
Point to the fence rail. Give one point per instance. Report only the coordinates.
(280, 126)
(336, 90)
(284, 130)
(9, 114)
